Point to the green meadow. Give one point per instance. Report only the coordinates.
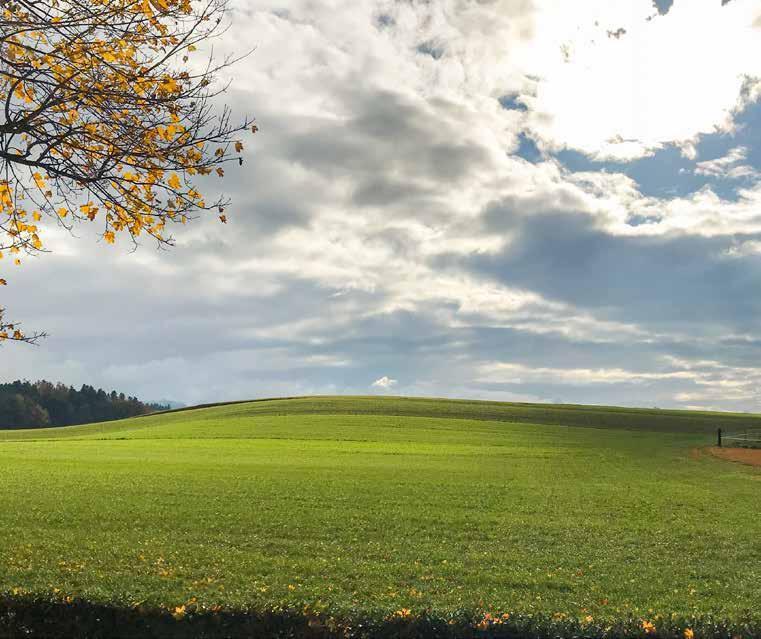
(383, 507)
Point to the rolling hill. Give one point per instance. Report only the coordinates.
(362, 507)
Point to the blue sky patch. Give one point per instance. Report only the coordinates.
(528, 150)
(668, 174)
(663, 6)
(512, 103)
(431, 49)
(384, 20)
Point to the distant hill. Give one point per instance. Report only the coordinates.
(592, 416)
(169, 404)
(41, 404)
(243, 418)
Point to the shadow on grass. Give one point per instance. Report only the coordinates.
(52, 619)
(33, 618)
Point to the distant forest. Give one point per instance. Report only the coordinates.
(40, 404)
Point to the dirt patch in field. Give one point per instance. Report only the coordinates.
(696, 453)
(749, 456)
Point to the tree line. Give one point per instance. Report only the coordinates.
(25, 404)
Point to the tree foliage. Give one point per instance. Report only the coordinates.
(106, 117)
(35, 405)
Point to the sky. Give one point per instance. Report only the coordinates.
(520, 200)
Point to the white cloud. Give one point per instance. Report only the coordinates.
(709, 381)
(519, 374)
(666, 80)
(725, 166)
(384, 382)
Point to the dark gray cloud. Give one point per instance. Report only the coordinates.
(387, 134)
(657, 281)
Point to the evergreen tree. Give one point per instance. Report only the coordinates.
(24, 404)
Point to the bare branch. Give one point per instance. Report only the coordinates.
(103, 116)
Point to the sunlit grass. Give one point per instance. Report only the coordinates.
(240, 506)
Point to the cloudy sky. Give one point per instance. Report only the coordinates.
(533, 200)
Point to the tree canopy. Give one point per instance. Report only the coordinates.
(35, 405)
(106, 117)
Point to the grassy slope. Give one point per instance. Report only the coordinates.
(555, 414)
(330, 499)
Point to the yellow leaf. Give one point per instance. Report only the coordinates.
(174, 181)
(39, 181)
(169, 85)
(109, 237)
(238, 147)
(89, 210)
(147, 11)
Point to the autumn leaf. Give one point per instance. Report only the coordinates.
(89, 210)
(108, 116)
(160, 5)
(146, 8)
(39, 181)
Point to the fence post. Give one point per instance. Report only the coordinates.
(719, 437)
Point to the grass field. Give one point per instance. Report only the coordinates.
(370, 506)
